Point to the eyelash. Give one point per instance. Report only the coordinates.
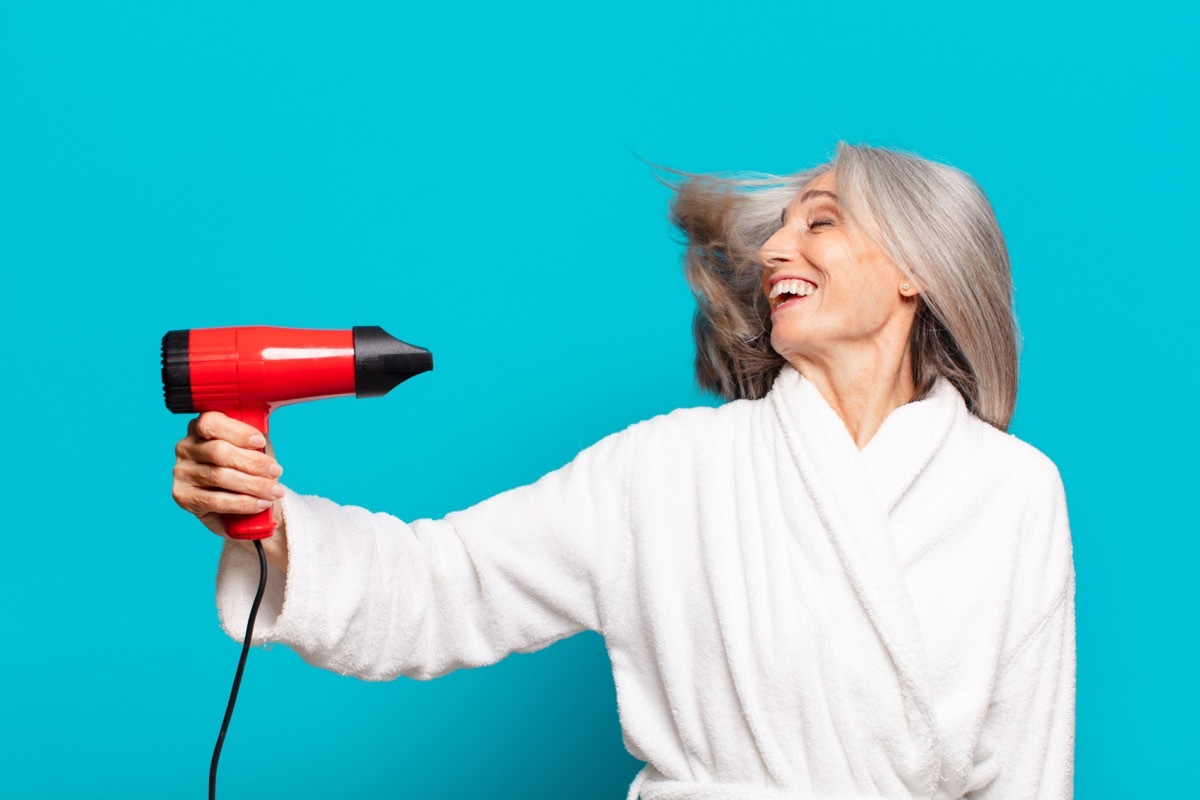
(817, 222)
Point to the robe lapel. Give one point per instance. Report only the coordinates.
(908, 439)
(847, 494)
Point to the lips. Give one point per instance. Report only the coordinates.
(786, 291)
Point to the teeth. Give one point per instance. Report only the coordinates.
(792, 286)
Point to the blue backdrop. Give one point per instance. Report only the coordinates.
(467, 176)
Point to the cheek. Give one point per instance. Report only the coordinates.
(847, 280)
(884, 280)
(865, 288)
(869, 303)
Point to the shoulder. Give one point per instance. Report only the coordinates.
(1028, 485)
(660, 433)
(675, 436)
(1027, 499)
(695, 422)
(1013, 458)
(1016, 486)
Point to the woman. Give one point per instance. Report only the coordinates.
(846, 582)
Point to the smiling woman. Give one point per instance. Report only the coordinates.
(846, 583)
(867, 222)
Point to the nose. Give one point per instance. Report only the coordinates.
(778, 251)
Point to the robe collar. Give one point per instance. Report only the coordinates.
(901, 448)
(854, 493)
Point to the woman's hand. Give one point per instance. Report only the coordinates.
(219, 469)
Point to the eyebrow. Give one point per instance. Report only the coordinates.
(810, 194)
(817, 193)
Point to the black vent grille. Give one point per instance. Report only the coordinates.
(177, 382)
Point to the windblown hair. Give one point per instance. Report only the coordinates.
(933, 221)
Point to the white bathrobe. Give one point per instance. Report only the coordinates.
(787, 617)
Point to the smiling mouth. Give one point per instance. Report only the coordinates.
(789, 292)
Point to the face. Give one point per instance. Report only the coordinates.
(828, 284)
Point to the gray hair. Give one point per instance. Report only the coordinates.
(932, 220)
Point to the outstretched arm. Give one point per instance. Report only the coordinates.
(371, 596)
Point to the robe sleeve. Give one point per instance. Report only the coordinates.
(1028, 738)
(371, 596)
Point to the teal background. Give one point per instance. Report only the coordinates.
(468, 177)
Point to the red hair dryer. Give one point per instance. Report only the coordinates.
(246, 373)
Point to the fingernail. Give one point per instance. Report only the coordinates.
(258, 441)
(275, 471)
(277, 491)
(265, 504)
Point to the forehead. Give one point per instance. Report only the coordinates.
(815, 191)
(826, 182)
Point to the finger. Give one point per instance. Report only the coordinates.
(223, 454)
(215, 425)
(202, 501)
(210, 476)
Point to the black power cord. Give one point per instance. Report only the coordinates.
(237, 676)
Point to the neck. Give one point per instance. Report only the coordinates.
(863, 384)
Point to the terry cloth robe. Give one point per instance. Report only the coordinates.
(787, 616)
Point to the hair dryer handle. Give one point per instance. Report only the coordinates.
(250, 526)
(262, 524)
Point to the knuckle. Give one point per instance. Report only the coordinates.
(209, 424)
(204, 426)
(261, 464)
(239, 460)
(244, 505)
(185, 501)
(220, 476)
(210, 475)
(222, 452)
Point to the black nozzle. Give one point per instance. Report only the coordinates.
(176, 375)
(381, 361)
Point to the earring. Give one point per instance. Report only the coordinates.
(904, 287)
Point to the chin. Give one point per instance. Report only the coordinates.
(791, 331)
(788, 346)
